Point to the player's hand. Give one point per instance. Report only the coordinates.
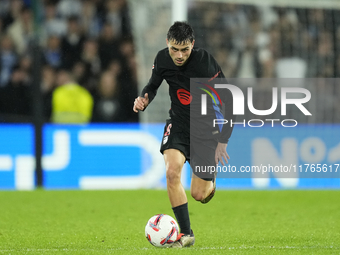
(221, 154)
(141, 103)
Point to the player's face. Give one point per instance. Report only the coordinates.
(180, 52)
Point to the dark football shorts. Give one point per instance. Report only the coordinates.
(200, 153)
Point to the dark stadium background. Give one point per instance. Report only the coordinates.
(108, 47)
(81, 173)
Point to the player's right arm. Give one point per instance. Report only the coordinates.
(141, 103)
(150, 90)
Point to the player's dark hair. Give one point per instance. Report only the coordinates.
(181, 32)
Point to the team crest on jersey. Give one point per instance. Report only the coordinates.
(167, 133)
(184, 96)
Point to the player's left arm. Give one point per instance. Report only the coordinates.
(221, 154)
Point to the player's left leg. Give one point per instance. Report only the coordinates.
(202, 190)
(202, 162)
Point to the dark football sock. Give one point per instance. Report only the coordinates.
(182, 215)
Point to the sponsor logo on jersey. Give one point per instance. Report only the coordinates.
(184, 96)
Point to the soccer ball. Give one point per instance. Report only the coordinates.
(161, 230)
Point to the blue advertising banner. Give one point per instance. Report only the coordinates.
(103, 156)
(126, 156)
(16, 157)
(306, 156)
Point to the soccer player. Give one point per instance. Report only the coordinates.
(177, 63)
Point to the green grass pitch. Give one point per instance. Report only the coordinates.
(112, 222)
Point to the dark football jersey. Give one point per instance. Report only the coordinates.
(200, 64)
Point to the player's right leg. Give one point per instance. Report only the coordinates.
(174, 161)
(176, 148)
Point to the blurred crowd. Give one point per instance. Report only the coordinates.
(251, 41)
(84, 45)
(264, 41)
(88, 44)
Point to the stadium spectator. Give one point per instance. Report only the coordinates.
(72, 43)
(128, 79)
(91, 60)
(71, 103)
(25, 64)
(127, 50)
(1, 26)
(235, 18)
(115, 68)
(10, 11)
(247, 61)
(114, 14)
(8, 59)
(325, 56)
(68, 8)
(21, 30)
(108, 106)
(52, 52)
(48, 79)
(4, 7)
(90, 21)
(53, 25)
(48, 83)
(16, 96)
(79, 73)
(108, 45)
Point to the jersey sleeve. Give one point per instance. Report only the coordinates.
(227, 102)
(154, 82)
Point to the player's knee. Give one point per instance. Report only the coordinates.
(197, 195)
(173, 173)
